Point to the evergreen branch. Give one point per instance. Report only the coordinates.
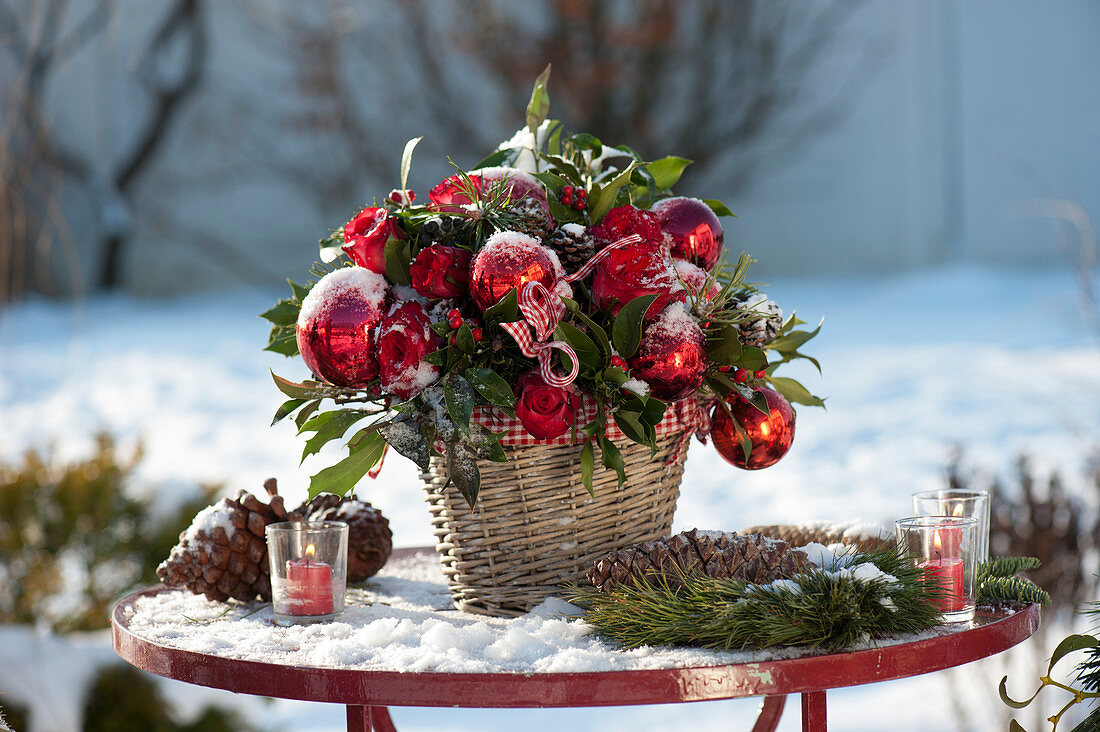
(1007, 566)
(828, 609)
(1016, 590)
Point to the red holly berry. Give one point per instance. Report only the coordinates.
(453, 339)
(567, 200)
(567, 191)
(580, 193)
(455, 322)
(618, 361)
(477, 334)
(760, 374)
(724, 369)
(578, 205)
(740, 376)
(454, 313)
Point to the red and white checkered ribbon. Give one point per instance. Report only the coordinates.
(543, 311)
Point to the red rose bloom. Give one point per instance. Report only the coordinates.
(440, 271)
(633, 271)
(404, 340)
(448, 196)
(627, 220)
(365, 238)
(545, 411)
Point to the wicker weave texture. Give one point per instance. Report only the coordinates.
(535, 527)
(798, 536)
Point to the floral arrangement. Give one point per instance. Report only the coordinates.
(558, 292)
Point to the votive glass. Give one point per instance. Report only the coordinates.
(966, 503)
(945, 548)
(309, 570)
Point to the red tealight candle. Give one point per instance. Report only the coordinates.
(308, 586)
(947, 572)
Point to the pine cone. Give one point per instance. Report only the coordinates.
(823, 533)
(532, 219)
(574, 246)
(763, 319)
(750, 557)
(369, 537)
(223, 553)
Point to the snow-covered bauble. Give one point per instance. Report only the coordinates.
(694, 280)
(633, 271)
(510, 260)
(694, 232)
(405, 339)
(336, 326)
(770, 434)
(672, 355)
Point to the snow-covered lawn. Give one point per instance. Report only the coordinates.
(997, 362)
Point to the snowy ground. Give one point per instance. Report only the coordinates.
(998, 362)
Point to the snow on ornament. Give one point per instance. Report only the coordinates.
(769, 434)
(510, 260)
(335, 328)
(693, 231)
(695, 281)
(633, 271)
(521, 185)
(672, 355)
(405, 338)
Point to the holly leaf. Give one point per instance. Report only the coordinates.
(588, 466)
(792, 341)
(286, 408)
(666, 172)
(751, 359)
(584, 346)
(342, 477)
(462, 470)
(793, 391)
(406, 161)
(305, 390)
(405, 437)
(492, 386)
(626, 332)
(605, 199)
(612, 459)
(724, 347)
(305, 413)
(398, 255)
(458, 396)
(284, 312)
(593, 328)
(328, 426)
(505, 311)
(719, 208)
(539, 106)
(283, 340)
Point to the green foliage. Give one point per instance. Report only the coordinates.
(79, 515)
(820, 609)
(996, 582)
(123, 699)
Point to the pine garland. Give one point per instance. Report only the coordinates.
(997, 582)
(828, 609)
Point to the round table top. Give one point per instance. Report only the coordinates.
(989, 634)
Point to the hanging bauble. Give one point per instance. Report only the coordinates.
(336, 326)
(633, 271)
(510, 260)
(771, 434)
(694, 232)
(672, 355)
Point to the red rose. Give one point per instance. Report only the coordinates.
(449, 196)
(545, 411)
(633, 271)
(440, 271)
(365, 238)
(627, 220)
(404, 340)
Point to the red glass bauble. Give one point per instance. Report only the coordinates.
(672, 355)
(633, 271)
(336, 326)
(510, 260)
(694, 232)
(771, 435)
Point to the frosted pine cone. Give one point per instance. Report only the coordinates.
(763, 319)
(750, 557)
(573, 244)
(370, 540)
(223, 554)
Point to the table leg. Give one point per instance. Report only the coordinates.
(813, 711)
(771, 709)
(369, 719)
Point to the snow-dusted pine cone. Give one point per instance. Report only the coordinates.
(573, 244)
(763, 319)
(223, 554)
(370, 540)
(534, 221)
(749, 557)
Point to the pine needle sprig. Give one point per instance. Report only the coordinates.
(491, 208)
(822, 608)
(996, 581)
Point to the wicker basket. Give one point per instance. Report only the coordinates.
(535, 527)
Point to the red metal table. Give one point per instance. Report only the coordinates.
(367, 694)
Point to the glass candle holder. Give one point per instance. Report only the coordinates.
(945, 547)
(970, 504)
(309, 570)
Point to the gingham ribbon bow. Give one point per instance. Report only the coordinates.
(543, 311)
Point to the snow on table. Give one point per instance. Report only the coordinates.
(402, 620)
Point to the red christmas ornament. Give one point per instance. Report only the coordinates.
(694, 231)
(624, 221)
(695, 280)
(440, 271)
(510, 260)
(672, 355)
(771, 435)
(633, 271)
(405, 338)
(365, 238)
(521, 185)
(336, 326)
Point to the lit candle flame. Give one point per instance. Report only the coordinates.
(310, 551)
(958, 510)
(936, 541)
